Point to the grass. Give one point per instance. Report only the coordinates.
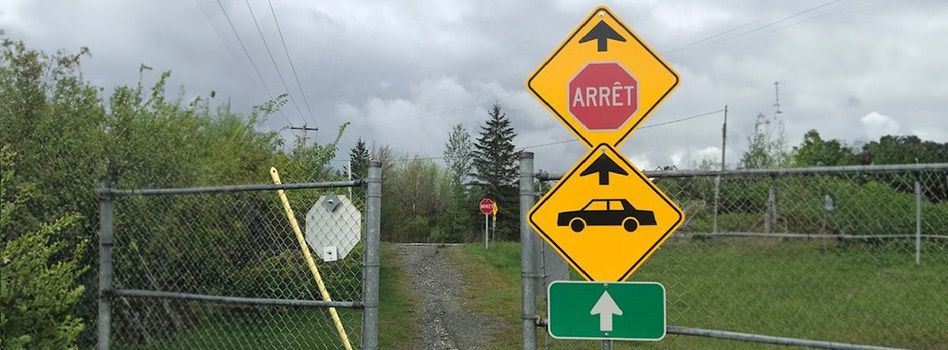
(230, 327)
(492, 278)
(398, 303)
(864, 294)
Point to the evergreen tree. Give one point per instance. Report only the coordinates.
(496, 164)
(359, 160)
(359, 167)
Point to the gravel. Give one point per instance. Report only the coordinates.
(445, 322)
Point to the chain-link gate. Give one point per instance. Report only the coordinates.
(221, 267)
(844, 255)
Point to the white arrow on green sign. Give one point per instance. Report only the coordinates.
(607, 310)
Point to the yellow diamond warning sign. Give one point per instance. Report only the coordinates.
(605, 217)
(602, 81)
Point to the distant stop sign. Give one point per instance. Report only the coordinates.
(603, 96)
(486, 206)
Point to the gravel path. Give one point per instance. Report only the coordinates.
(445, 322)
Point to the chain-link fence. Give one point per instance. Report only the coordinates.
(854, 255)
(205, 268)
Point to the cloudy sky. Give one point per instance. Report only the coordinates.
(404, 72)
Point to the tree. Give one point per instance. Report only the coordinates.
(496, 163)
(908, 149)
(359, 160)
(767, 146)
(814, 151)
(458, 156)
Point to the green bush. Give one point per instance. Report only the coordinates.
(38, 273)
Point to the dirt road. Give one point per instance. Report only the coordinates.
(445, 322)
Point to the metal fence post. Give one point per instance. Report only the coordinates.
(771, 218)
(918, 223)
(370, 287)
(527, 274)
(717, 194)
(105, 266)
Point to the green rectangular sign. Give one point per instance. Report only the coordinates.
(607, 310)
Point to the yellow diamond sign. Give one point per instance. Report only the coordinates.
(605, 217)
(603, 81)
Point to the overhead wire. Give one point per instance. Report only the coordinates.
(273, 61)
(779, 21)
(444, 112)
(292, 66)
(814, 17)
(752, 30)
(643, 127)
(254, 65)
(230, 48)
(713, 36)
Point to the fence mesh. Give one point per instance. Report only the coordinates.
(825, 256)
(236, 244)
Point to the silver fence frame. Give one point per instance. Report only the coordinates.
(370, 264)
(529, 275)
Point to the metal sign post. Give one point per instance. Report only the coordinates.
(486, 207)
(485, 231)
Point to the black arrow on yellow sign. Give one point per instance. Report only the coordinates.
(603, 166)
(602, 32)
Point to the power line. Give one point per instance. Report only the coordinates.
(779, 21)
(681, 120)
(292, 66)
(713, 36)
(643, 127)
(254, 65)
(273, 61)
(750, 31)
(563, 141)
(230, 48)
(444, 112)
(814, 17)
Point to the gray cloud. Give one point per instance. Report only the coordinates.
(403, 73)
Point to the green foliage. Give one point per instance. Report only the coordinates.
(359, 156)
(456, 221)
(38, 273)
(766, 146)
(903, 150)
(359, 167)
(411, 203)
(65, 137)
(496, 163)
(458, 154)
(814, 151)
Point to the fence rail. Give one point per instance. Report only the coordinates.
(829, 257)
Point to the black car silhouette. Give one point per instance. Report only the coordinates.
(606, 212)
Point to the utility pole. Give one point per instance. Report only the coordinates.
(304, 128)
(723, 138)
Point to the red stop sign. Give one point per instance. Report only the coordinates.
(486, 206)
(603, 96)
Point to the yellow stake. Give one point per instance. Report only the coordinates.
(309, 259)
